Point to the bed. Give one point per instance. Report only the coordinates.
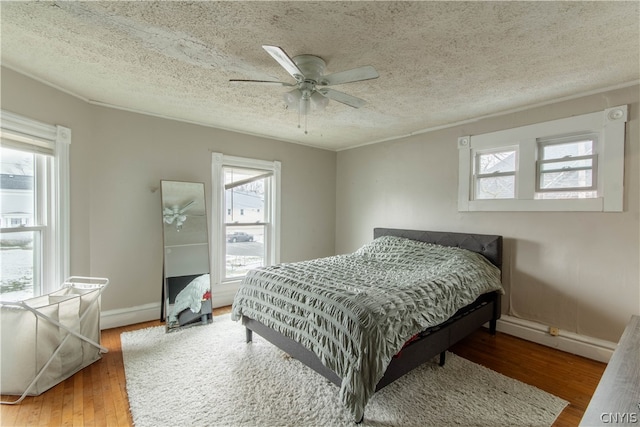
(364, 319)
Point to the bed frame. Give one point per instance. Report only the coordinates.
(431, 342)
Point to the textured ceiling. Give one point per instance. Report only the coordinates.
(439, 62)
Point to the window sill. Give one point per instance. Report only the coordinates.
(575, 205)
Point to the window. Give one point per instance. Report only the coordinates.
(567, 167)
(495, 174)
(246, 204)
(34, 207)
(245, 190)
(573, 164)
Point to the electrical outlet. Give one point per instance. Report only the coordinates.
(553, 331)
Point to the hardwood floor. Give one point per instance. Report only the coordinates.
(570, 377)
(97, 395)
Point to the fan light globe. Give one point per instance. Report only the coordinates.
(318, 102)
(293, 98)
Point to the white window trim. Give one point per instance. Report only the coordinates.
(609, 125)
(219, 161)
(62, 203)
(18, 131)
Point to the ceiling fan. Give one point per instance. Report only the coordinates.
(311, 84)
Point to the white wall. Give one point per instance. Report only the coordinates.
(117, 161)
(575, 271)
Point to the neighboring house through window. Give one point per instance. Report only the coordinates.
(34, 213)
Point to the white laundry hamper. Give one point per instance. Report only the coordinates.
(46, 339)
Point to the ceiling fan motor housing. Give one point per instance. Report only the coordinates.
(312, 67)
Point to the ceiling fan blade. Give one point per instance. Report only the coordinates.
(342, 97)
(355, 75)
(283, 59)
(265, 82)
(185, 207)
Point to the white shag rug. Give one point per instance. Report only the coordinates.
(208, 376)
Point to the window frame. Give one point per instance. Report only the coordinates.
(563, 140)
(609, 128)
(479, 176)
(272, 229)
(51, 144)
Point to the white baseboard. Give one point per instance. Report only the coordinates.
(591, 348)
(130, 315)
(222, 298)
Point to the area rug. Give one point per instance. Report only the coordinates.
(208, 376)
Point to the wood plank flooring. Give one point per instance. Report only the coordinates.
(97, 396)
(570, 377)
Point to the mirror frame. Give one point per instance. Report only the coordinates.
(186, 268)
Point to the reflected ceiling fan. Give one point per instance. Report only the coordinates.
(310, 85)
(176, 214)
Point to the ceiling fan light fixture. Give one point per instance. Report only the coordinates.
(293, 101)
(304, 101)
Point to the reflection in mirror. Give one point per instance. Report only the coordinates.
(187, 283)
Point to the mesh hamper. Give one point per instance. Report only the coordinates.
(46, 339)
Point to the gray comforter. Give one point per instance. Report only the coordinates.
(356, 311)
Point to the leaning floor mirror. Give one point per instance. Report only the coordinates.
(186, 295)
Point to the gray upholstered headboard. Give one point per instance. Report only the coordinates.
(488, 245)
